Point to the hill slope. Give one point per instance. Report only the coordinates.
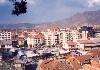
(85, 18)
(79, 19)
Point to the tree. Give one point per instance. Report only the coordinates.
(20, 7)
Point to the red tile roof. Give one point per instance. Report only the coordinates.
(89, 67)
(30, 36)
(74, 63)
(95, 53)
(55, 29)
(39, 36)
(95, 63)
(82, 59)
(48, 64)
(55, 65)
(23, 35)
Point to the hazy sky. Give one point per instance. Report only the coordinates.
(46, 10)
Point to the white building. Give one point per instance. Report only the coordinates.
(84, 34)
(80, 44)
(76, 35)
(35, 39)
(30, 41)
(5, 35)
(49, 38)
(69, 35)
(52, 37)
(61, 36)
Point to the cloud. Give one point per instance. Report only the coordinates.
(31, 2)
(92, 3)
(2, 1)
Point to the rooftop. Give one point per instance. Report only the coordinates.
(86, 41)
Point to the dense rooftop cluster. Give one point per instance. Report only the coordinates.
(51, 49)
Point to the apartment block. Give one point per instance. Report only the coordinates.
(5, 35)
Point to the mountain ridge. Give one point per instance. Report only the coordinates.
(79, 19)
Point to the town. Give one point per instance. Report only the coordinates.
(50, 49)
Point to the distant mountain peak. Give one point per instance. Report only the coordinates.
(85, 18)
(79, 19)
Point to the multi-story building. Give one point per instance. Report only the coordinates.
(69, 36)
(30, 39)
(35, 38)
(76, 35)
(61, 36)
(87, 32)
(52, 37)
(5, 35)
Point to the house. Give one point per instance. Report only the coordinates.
(70, 45)
(85, 44)
(21, 39)
(78, 61)
(39, 38)
(73, 62)
(95, 65)
(95, 53)
(30, 41)
(36, 38)
(97, 41)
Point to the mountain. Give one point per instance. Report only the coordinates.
(79, 19)
(85, 18)
(16, 26)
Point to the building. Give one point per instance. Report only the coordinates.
(5, 35)
(87, 32)
(30, 39)
(69, 37)
(21, 39)
(52, 36)
(89, 61)
(39, 39)
(74, 63)
(97, 34)
(70, 45)
(35, 38)
(85, 44)
(95, 65)
(6, 44)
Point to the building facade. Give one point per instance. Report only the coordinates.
(5, 35)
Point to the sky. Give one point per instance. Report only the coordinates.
(41, 11)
